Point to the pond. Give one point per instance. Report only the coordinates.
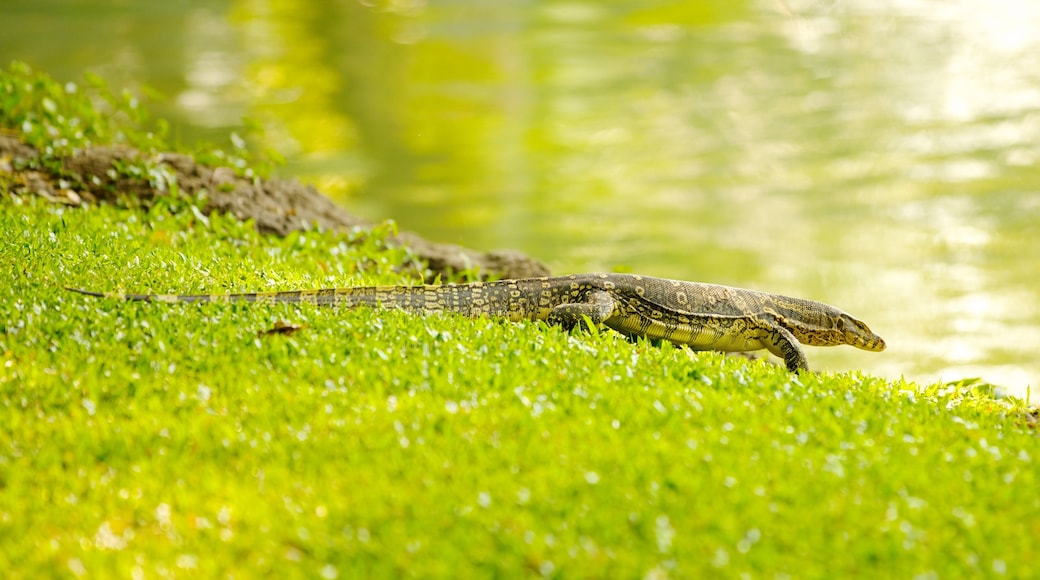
(878, 155)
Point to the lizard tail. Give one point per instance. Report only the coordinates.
(313, 296)
(87, 292)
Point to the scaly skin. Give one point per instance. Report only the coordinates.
(700, 316)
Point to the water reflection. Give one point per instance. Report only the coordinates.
(212, 68)
(878, 156)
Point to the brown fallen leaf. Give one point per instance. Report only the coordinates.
(281, 327)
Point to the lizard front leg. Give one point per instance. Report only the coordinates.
(598, 306)
(779, 341)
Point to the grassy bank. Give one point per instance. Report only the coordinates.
(185, 440)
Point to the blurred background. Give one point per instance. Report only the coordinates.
(878, 155)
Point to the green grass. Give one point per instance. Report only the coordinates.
(60, 119)
(142, 439)
(173, 439)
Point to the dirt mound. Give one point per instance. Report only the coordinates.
(277, 206)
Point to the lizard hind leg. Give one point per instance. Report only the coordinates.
(598, 306)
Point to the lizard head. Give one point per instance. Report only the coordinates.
(819, 324)
(858, 334)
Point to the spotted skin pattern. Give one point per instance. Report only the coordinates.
(700, 316)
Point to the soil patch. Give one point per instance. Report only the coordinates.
(277, 206)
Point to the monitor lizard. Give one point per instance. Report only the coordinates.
(700, 316)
